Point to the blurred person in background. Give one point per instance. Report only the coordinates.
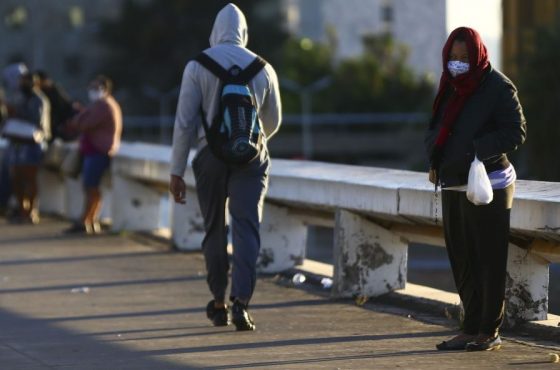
(62, 107)
(217, 180)
(25, 153)
(100, 125)
(5, 189)
(10, 82)
(3, 108)
(476, 113)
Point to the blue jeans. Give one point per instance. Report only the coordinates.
(24, 154)
(94, 168)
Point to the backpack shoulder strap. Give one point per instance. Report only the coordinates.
(214, 67)
(252, 70)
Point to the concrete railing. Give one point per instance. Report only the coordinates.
(376, 214)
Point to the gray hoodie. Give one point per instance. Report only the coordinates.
(228, 43)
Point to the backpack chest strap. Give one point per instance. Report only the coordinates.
(244, 76)
(251, 71)
(214, 67)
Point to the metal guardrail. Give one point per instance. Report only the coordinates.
(328, 119)
(326, 137)
(296, 119)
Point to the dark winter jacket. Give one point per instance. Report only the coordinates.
(61, 110)
(491, 125)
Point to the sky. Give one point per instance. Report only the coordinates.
(485, 16)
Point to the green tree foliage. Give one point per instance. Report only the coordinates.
(303, 62)
(539, 91)
(150, 43)
(377, 81)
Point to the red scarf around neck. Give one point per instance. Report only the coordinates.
(463, 85)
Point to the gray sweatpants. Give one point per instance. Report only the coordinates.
(245, 186)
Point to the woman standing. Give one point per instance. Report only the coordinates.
(100, 124)
(476, 112)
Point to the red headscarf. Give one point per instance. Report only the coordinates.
(464, 85)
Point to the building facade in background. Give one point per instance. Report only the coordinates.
(521, 20)
(419, 25)
(57, 36)
(60, 36)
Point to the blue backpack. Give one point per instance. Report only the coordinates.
(234, 135)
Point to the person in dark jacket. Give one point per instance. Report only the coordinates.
(3, 108)
(25, 154)
(10, 82)
(5, 190)
(62, 107)
(476, 113)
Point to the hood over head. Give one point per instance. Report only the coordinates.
(478, 54)
(230, 27)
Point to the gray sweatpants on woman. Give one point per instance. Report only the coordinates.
(245, 187)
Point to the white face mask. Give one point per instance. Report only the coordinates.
(456, 67)
(95, 94)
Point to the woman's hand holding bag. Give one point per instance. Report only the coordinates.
(479, 189)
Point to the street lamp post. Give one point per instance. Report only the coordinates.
(305, 95)
(164, 99)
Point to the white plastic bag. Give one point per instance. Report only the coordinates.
(479, 189)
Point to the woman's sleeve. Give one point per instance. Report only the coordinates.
(430, 139)
(511, 127)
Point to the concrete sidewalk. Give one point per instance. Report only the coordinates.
(118, 302)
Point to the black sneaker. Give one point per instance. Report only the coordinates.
(218, 316)
(457, 343)
(485, 344)
(76, 229)
(241, 318)
(16, 217)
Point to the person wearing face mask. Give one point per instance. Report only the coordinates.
(100, 125)
(25, 153)
(476, 113)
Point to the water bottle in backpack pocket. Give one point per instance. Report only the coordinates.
(234, 135)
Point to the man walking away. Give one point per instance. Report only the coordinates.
(229, 106)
